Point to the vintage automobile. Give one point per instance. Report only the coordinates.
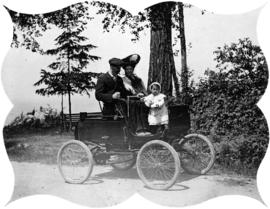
(158, 156)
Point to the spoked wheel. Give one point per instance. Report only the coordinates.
(158, 165)
(75, 162)
(124, 162)
(197, 154)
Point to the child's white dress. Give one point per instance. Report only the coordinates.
(158, 114)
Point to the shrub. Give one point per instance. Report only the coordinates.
(224, 105)
(241, 152)
(44, 118)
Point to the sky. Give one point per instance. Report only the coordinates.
(21, 68)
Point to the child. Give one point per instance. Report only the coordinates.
(158, 114)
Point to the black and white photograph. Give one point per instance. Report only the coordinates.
(107, 104)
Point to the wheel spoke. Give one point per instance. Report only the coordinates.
(75, 162)
(158, 164)
(196, 154)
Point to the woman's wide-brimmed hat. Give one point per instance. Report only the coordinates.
(131, 60)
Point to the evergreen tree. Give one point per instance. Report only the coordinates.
(72, 58)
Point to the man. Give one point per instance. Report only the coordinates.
(110, 87)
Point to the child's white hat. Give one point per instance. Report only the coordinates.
(155, 83)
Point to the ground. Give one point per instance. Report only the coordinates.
(33, 158)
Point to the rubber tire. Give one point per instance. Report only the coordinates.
(177, 165)
(212, 150)
(90, 159)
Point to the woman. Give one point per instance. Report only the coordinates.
(138, 111)
(132, 82)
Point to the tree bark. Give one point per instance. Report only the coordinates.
(62, 113)
(184, 70)
(69, 92)
(176, 83)
(69, 110)
(161, 65)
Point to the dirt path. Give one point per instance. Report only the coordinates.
(107, 187)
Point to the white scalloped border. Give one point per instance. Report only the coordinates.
(217, 6)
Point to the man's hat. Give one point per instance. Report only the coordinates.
(116, 62)
(131, 60)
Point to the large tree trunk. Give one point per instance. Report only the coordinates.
(62, 113)
(69, 110)
(184, 70)
(161, 54)
(176, 83)
(69, 92)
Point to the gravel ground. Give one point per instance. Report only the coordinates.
(107, 187)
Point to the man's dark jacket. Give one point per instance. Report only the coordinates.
(105, 88)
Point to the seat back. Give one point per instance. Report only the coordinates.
(179, 119)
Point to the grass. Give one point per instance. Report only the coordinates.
(39, 147)
(218, 169)
(43, 147)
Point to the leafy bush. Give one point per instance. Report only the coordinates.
(241, 152)
(44, 118)
(224, 105)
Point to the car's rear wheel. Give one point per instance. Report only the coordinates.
(197, 153)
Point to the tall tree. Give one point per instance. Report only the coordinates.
(54, 85)
(72, 58)
(161, 64)
(157, 18)
(160, 19)
(184, 69)
(70, 49)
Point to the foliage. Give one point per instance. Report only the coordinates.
(72, 58)
(224, 104)
(68, 75)
(56, 83)
(44, 118)
(72, 21)
(241, 153)
(160, 19)
(32, 26)
(29, 27)
(117, 17)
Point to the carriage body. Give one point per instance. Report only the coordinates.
(96, 128)
(100, 130)
(111, 141)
